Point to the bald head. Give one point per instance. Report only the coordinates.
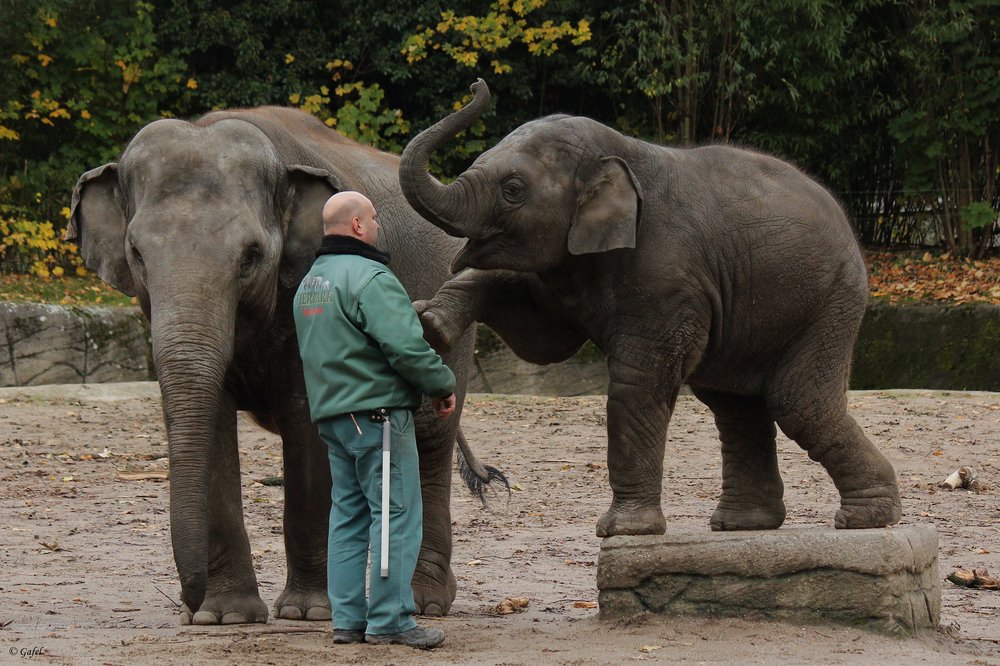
(350, 214)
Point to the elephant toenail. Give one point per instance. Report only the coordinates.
(205, 617)
(290, 613)
(319, 613)
(234, 617)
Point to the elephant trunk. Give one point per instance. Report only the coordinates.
(192, 348)
(446, 206)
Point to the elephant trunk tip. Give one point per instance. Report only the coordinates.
(193, 586)
(442, 205)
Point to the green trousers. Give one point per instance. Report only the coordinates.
(356, 522)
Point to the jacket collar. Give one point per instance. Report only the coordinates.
(338, 244)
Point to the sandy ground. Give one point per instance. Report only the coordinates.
(87, 573)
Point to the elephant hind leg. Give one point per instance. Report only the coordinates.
(813, 413)
(751, 483)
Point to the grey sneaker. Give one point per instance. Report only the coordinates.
(418, 637)
(348, 636)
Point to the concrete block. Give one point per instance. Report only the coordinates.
(885, 579)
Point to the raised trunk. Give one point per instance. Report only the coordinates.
(447, 206)
(192, 347)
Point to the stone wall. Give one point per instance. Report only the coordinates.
(930, 347)
(53, 344)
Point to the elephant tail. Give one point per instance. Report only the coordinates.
(477, 476)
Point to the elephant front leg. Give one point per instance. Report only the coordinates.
(434, 584)
(637, 431)
(515, 305)
(231, 596)
(751, 483)
(456, 306)
(306, 519)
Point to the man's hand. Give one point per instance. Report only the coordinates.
(445, 407)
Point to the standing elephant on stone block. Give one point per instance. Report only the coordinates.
(212, 225)
(721, 268)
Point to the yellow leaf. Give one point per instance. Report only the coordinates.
(48, 122)
(36, 94)
(85, 113)
(45, 59)
(65, 212)
(81, 271)
(57, 271)
(294, 99)
(120, 64)
(192, 83)
(51, 22)
(289, 58)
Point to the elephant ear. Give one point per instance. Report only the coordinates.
(97, 225)
(309, 189)
(608, 211)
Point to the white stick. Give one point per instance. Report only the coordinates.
(386, 443)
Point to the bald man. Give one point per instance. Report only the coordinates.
(363, 351)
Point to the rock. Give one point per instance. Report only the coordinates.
(885, 579)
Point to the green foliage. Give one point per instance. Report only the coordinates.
(30, 247)
(977, 215)
(678, 55)
(365, 119)
(949, 132)
(81, 80)
(894, 105)
(502, 27)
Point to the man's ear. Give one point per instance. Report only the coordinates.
(97, 225)
(309, 188)
(608, 210)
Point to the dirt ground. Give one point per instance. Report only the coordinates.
(87, 575)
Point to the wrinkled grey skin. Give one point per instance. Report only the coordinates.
(721, 268)
(212, 225)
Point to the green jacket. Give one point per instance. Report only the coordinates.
(360, 339)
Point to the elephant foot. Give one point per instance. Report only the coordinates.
(311, 604)
(743, 514)
(434, 597)
(621, 519)
(227, 609)
(876, 507)
(441, 329)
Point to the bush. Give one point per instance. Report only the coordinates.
(30, 247)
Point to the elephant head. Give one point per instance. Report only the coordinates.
(554, 187)
(206, 225)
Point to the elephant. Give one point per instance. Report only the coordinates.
(212, 224)
(717, 267)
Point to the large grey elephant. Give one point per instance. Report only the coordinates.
(212, 225)
(721, 268)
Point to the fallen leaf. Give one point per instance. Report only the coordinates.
(474, 562)
(650, 648)
(511, 605)
(585, 604)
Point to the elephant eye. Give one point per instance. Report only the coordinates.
(250, 258)
(512, 190)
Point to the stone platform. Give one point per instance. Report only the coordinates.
(885, 579)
